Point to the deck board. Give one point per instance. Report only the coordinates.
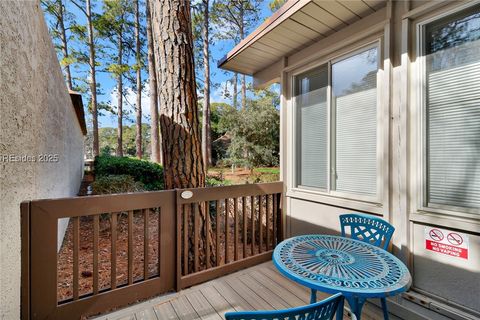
(257, 288)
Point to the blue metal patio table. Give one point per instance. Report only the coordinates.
(337, 264)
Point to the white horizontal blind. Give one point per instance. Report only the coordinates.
(356, 142)
(453, 111)
(312, 113)
(354, 89)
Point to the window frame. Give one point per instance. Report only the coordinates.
(331, 196)
(421, 101)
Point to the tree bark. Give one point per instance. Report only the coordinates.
(177, 92)
(206, 138)
(93, 81)
(152, 79)
(182, 156)
(138, 136)
(235, 90)
(120, 98)
(63, 38)
(242, 35)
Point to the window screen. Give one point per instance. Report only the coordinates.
(312, 126)
(452, 51)
(354, 98)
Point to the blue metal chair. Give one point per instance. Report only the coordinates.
(369, 229)
(323, 310)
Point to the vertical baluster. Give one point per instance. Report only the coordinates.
(76, 247)
(130, 247)
(226, 231)
(196, 235)
(146, 242)
(217, 231)
(96, 230)
(159, 209)
(206, 205)
(267, 219)
(252, 215)
(185, 240)
(260, 218)
(244, 214)
(235, 215)
(113, 272)
(274, 218)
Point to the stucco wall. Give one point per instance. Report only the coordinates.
(36, 117)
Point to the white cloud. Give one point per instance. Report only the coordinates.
(130, 100)
(223, 93)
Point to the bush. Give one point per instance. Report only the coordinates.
(148, 173)
(116, 184)
(216, 180)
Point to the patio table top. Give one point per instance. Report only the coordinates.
(337, 264)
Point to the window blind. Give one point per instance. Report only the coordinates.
(312, 112)
(354, 89)
(453, 116)
(356, 142)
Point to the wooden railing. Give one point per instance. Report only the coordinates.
(119, 249)
(242, 225)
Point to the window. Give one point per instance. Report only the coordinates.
(336, 125)
(451, 49)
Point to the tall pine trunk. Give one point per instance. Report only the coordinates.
(152, 80)
(235, 90)
(206, 138)
(182, 156)
(63, 38)
(93, 81)
(138, 135)
(120, 97)
(242, 35)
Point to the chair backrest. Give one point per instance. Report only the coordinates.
(367, 228)
(323, 310)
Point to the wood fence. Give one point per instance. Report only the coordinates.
(124, 248)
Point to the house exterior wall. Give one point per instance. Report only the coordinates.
(444, 285)
(36, 118)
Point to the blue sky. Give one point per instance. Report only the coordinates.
(107, 83)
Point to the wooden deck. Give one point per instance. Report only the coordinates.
(257, 288)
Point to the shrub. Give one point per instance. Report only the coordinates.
(116, 184)
(148, 173)
(216, 180)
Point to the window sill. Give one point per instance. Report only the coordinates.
(447, 221)
(348, 203)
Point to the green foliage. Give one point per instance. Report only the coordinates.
(276, 4)
(257, 177)
(116, 184)
(267, 170)
(148, 173)
(255, 132)
(216, 180)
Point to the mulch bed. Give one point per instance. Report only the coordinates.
(65, 255)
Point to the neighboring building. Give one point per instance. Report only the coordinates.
(42, 131)
(380, 113)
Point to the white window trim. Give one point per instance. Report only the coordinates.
(357, 201)
(421, 147)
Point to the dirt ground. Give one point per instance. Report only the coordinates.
(65, 255)
(244, 175)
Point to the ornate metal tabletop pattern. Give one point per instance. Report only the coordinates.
(337, 264)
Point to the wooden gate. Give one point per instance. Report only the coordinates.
(120, 249)
(121, 213)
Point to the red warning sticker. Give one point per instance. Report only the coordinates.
(446, 242)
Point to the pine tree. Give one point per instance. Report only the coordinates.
(115, 24)
(138, 67)
(152, 78)
(236, 18)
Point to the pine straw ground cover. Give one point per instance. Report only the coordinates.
(65, 255)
